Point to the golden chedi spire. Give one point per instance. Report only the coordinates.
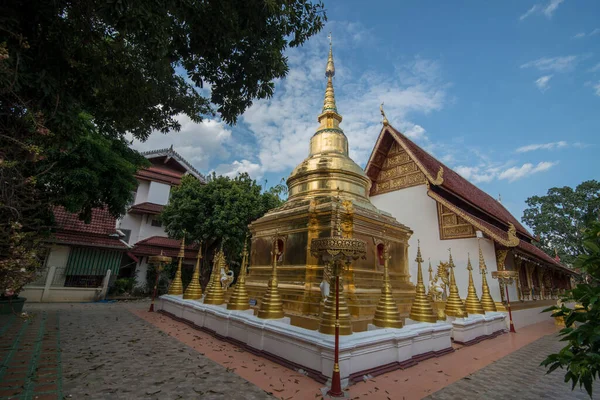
(387, 314)
(176, 286)
(454, 305)
(215, 293)
(271, 305)
(328, 165)
(486, 298)
(239, 299)
(194, 289)
(421, 309)
(472, 304)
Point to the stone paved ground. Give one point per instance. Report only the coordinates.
(517, 376)
(109, 353)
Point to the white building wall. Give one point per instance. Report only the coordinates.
(141, 195)
(58, 257)
(159, 193)
(147, 230)
(415, 209)
(132, 222)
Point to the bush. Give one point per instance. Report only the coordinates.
(581, 356)
(123, 285)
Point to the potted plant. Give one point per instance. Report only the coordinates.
(17, 268)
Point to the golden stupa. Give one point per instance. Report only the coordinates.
(307, 214)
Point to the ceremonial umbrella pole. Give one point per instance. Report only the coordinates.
(159, 261)
(507, 278)
(336, 251)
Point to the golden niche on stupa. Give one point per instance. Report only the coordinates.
(313, 187)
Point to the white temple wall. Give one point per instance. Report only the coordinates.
(415, 209)
(147, 230)
(141, 195)
(159, 193)
(132, 222)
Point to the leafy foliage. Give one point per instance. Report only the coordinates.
(76, 76)
(581, 356)
(217, 212)
(560, 217)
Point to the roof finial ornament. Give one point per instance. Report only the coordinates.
(385, 120)
(500, 198)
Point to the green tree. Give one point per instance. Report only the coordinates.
(76, 76)
(581, 356)
(559, 218)
(218, 212)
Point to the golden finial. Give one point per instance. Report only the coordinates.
(271, 305)
(419, 259)
(450, 261)
(239, 299)
(182, 247)
(330, 70)
(386, 313)
(430, 271)
(500, 198)
(385, 120)
(472, 303)
(469, 266)
(454, 305)
(329, 102)
(482, 266)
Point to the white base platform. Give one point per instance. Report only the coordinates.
(477, 327)
(361, 353)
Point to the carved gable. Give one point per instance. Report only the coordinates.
(397, 171)
(452, 226)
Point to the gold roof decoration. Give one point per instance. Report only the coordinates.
(385, 120)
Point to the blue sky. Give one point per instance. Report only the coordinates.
(505, 92)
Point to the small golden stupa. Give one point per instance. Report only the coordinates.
(421, 309)
(454, 305)
(176, 286)
(215, 294)
(386, 313)
(194, 290)
(239, 299)
(307, 214)
(486, 299)
(472, 304)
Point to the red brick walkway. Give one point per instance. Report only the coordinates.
(29, 350)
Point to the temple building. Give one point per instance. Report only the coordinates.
(446, 211)
(325, 180)
(403, 195)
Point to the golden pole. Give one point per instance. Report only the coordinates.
(194, 289)
(472, 304)
(176, 287)
(421, 309)
(239, 299)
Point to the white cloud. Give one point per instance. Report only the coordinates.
(282, 126)
(476, 174)
(581, 35)
(542, 146)
(548, 9)
(237, 167)
(597, 88)
(555, 64)
(199, 143)
(514, 173)
(543, 83)
(595, 68)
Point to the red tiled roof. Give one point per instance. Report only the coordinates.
(100, 232)
(153, 245)
(454, 183)
(540, 254)
(157, 175)
(86, 239)
(146, 208)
